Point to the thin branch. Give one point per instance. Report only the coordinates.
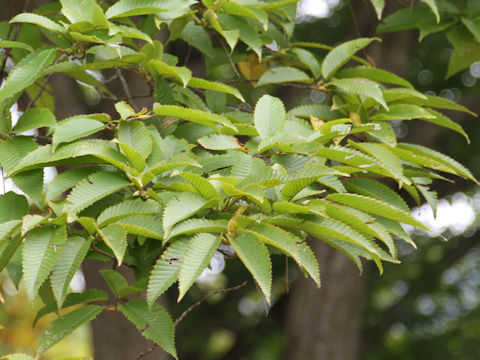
(97, 250)
(44, 86)
(146, 352)
(239, 81)
(230, 59)
(108, 97)
(187, 56)
(185, 313)
(126, 90)
(354, 18)
(359, 34)
(15, 36)
(206, 297)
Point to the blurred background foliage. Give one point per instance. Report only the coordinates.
(426, 307)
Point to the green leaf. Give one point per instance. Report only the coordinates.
(74, 128)
(195, 226)
(247, 33)
(124, 8)
(39, 20)
(165, 271)
(124, 109)
(433, 6)
(472, 27)
(440, 103)
(115, 281)
(282, 74)
(202, 185)
(309, 60)
(73, 253)
(363, 87)
(135, 159)
(198, 253)
(66, 324)
(9, 212)
(444, 121)
(95, 187)
(395, 228)
(130, 32)
(136, 135)
(127, 208)
(269, 116)
(466, 50)
(445, 160)
(215, 86)
(25, 75)
(34, 119)
(8, 247)
(301, 179)
(289, 244)
(321, 111)
(196, 116)
(326, 229)
(353, 158)
(220, 142)
(72, 299)
(429, 195)
(181, 207)
(67, 180)
(143, 225)
(183, 73)
(116, 239)
(374, 74)
(360, 222)
(31, 183)
(230, 36)
(70, 67)
(402, 112)
(286, 207)
(196, 36)
(256, 259)
(378, 5)
(78, 11)
(8, 228)
(155, 325)
(78, 152)
(375, 189)
(234, 8)
(341, 54)
(376, 207)
(386, 158)
(38, 258)
(404, 19)
(15, 45)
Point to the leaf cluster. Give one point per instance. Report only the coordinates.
(208, 167)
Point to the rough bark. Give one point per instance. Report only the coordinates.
(324, 323)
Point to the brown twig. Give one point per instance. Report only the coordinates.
(206, 297)
(185, 313)
(230, 59)
(44, 86)
(239, 81)
(359, 34)
(108, 97)
(94, 248)
(15, 36)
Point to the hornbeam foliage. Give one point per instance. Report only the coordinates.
(208, 165)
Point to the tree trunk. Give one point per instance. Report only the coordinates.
(323, 324)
